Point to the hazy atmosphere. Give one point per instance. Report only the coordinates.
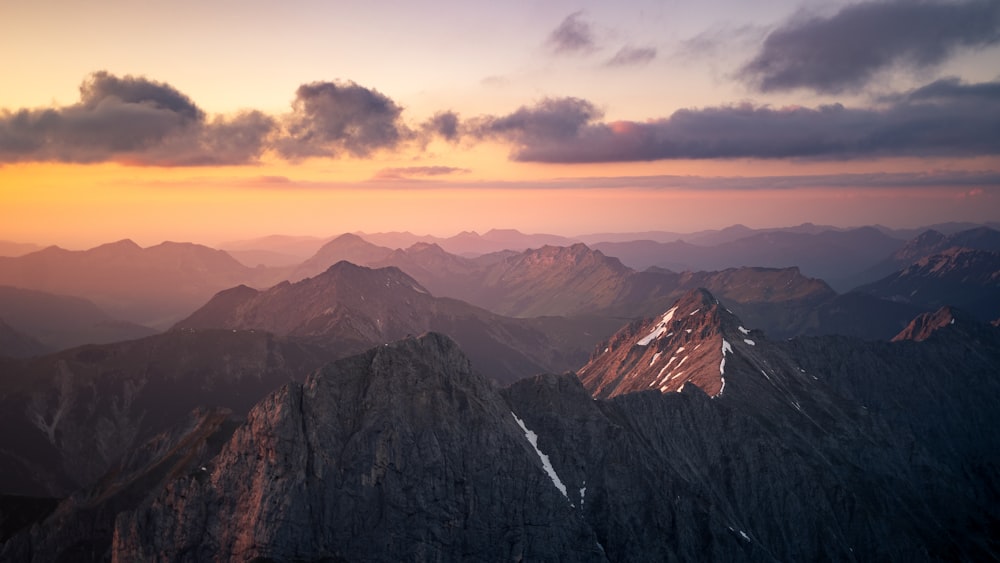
(212, 122)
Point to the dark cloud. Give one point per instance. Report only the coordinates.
(574, 35)
(102, 86)
(330, 118)
(632, 56)
(843, 52)
(942, 119)
(443, 124)
(409, 171)
(131, 120)
(550, 121)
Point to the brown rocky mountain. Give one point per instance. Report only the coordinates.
(687, 344)
(350, 308)
(923, 326)
(69, 416)
(816, 448)
(152, 286)
(929, 243)
(575, 280)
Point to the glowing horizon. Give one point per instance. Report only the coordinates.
(560, 119)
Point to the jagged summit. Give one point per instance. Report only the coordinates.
(690, 342)
(399, 453)
(922, 327)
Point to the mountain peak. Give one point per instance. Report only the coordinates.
(687, 343)
(923, 326)
(124, 245)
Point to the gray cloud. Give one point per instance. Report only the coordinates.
(574, 35)
(945, 118)
(553, 120)
(409, 171)
(444, 124)
(329, 118)
(843, 52)
(131, 120)
(632, 56)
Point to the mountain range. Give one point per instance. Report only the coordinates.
(522, 397)
(820, 447)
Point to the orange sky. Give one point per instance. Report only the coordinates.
(568, 118)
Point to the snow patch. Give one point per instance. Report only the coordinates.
(546, 464)
(750, 342)
(659, 329)
(952, 322)
(744, 331)
(726, 347)
(656, 356)
(692, 313)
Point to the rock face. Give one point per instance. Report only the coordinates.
(68, 417)
(688, 343)
(402, 453)
(923, 326)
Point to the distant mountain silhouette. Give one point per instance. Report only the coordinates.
(832, 255)
(16, 344)
(60, 321)
(153, 286)
(346, 247)
(963, 277)
(929, 243)
(13, 249)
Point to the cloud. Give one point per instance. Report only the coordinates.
(842, 53)
(965, 180)
(573, 36)
(632, 56)
(553, 120)
(444, 124)
(946, 118)
(131, 120)
(330, 118)
(409, 171)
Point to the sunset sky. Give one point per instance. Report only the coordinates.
(221, 120)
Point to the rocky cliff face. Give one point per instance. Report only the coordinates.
(687, 344)
(402, 453)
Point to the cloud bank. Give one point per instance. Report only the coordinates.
(137, 121)
(842, 53)
(945, 118)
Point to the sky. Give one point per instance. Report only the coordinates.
(224, 120)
